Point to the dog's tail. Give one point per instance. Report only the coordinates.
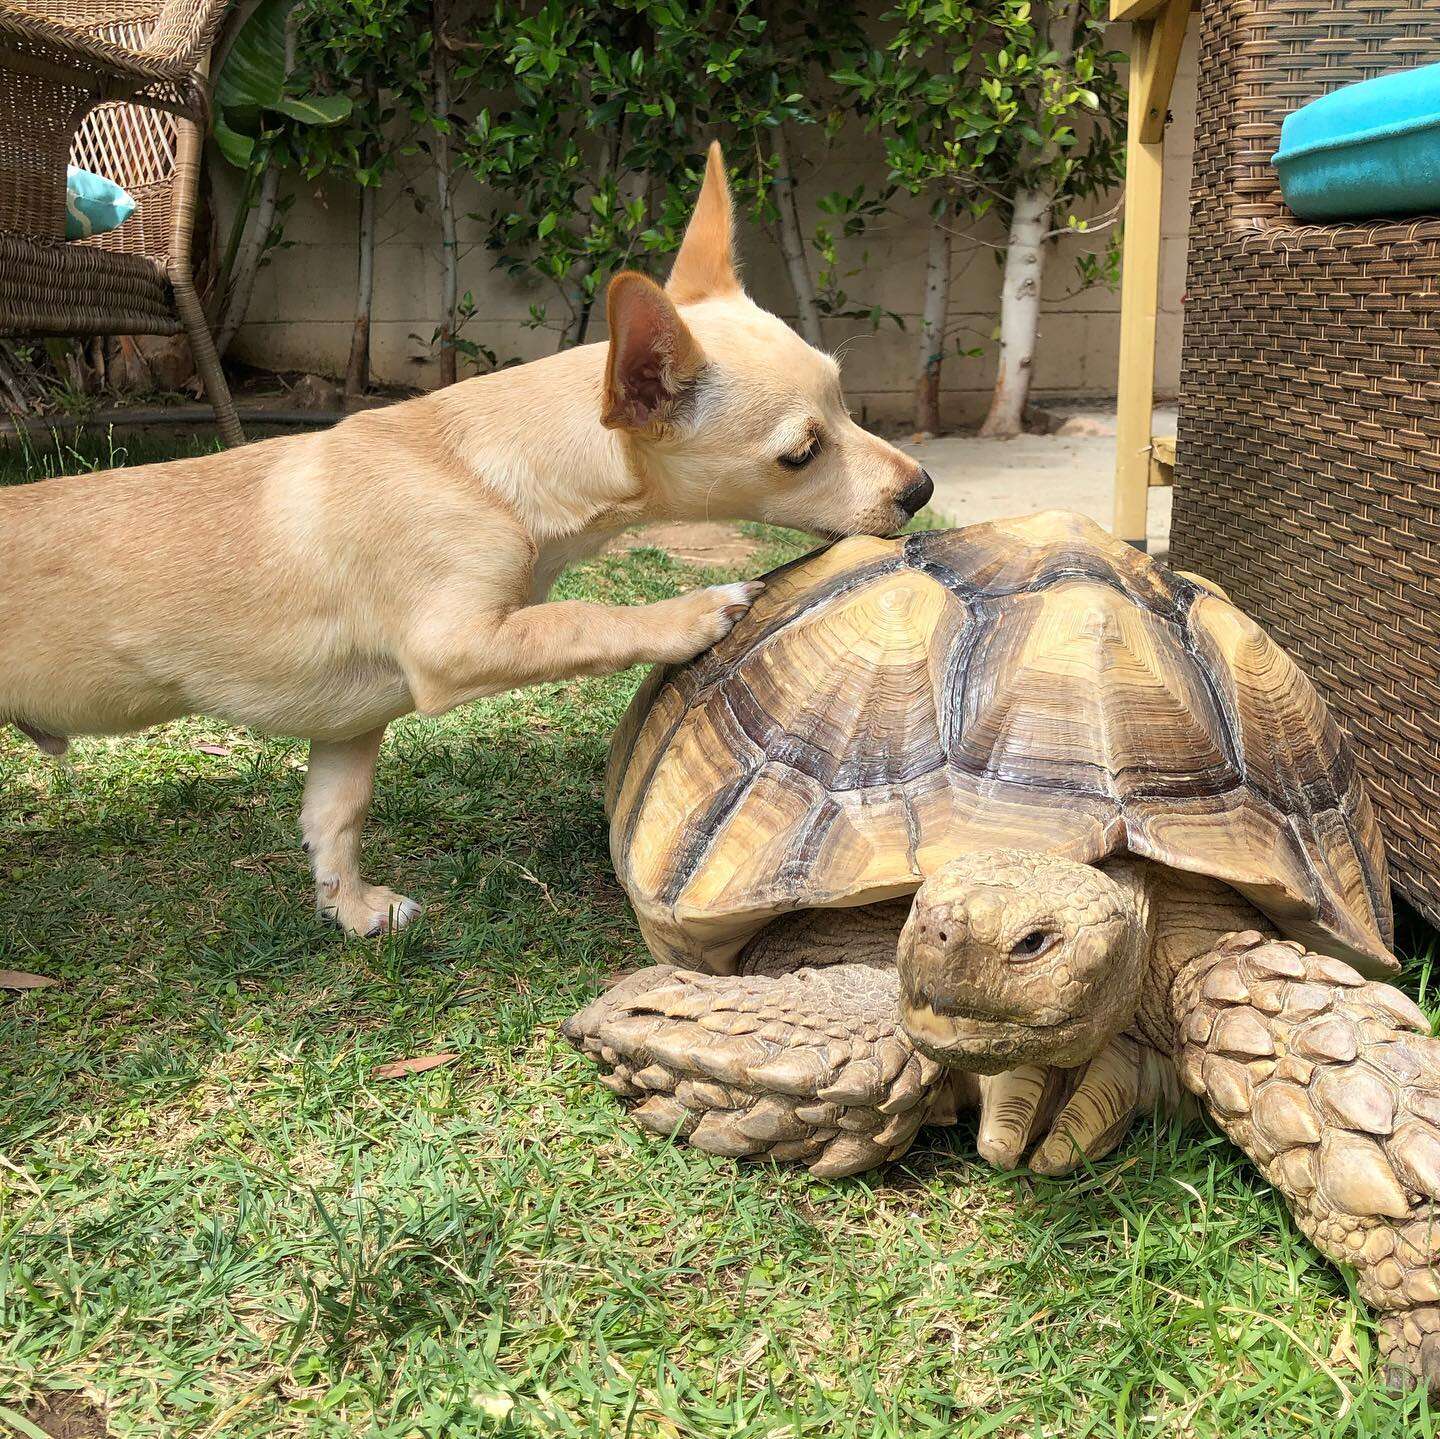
(52, 744)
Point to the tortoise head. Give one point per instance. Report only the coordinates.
(1011, 957)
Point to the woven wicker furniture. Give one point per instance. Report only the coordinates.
(114, 86)
(1308, 474)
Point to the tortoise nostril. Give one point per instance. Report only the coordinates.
(943, 937)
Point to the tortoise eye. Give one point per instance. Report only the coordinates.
(1033, 945)
(801, 458)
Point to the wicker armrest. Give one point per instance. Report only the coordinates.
(91, 46)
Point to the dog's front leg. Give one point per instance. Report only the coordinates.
(338, 790)
(450, 663)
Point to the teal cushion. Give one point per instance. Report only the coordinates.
(1372, 148)
(94, 204)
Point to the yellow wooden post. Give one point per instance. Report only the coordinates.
(1136, 9)
(1159, 32)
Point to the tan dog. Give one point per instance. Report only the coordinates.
(322, 585)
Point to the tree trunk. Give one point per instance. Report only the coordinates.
(10, 380)
(449, 260)
(1019, 312)
(633, 185)
(932, 328)
(247, 259)
(792, 241)
(357, 372)
(1034, 201)
(262, 222)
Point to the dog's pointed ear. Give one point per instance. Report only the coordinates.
(653, 355)
(705, 265)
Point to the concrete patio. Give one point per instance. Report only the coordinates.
(988, 479)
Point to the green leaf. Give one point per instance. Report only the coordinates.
(251, 83)
(253, 75)
(238, 149)
(547, 223)
(316, 109)
(22, 1425)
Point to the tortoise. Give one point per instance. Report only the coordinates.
(1013, 817)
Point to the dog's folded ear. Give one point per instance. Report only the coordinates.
(653, 355)
(705, 266)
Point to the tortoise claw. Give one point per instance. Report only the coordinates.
(1080, 1115)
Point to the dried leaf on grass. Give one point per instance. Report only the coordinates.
(19, 979)
(418, 1065)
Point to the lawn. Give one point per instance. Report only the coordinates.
(215, 1219)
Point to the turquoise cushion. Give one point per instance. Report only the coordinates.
(93, 204)
(1372, 148)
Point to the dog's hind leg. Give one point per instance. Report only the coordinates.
(338, 791)
(52, 744)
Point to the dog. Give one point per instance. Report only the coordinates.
(322, 585)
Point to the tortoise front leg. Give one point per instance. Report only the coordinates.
(813, 1066)
(809, 1066)
(1102, 1099)
(1331, 1083)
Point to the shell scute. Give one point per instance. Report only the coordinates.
(1029, 711)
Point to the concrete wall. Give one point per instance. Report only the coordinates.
(301, 314)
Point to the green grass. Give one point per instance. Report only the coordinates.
(27, 457)
(215, 1221)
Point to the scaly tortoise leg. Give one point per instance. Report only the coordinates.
(1125, 1080)
(1075, 1114)
(809, 1066)
(1331, 1083)
(812, 1066)
(1078, 1115)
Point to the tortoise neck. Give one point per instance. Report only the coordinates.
(1138, 881)
(1188, 915)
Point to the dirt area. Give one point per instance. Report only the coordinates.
(68, 1416)
(694, 542)
(1071, 469)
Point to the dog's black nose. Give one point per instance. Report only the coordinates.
(913, 500)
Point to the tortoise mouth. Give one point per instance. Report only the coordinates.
(985, 1044)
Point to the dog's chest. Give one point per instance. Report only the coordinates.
(556, 556)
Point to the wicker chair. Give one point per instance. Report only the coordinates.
(1308, 474)
(118, 87)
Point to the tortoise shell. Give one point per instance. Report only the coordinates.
(1033, 683)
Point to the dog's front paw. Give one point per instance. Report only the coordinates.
(714, 613)
(369, 910)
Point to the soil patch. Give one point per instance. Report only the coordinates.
(694, 542)
(68, 1416)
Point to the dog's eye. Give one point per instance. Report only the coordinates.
(801, 458)
(1033, 945)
